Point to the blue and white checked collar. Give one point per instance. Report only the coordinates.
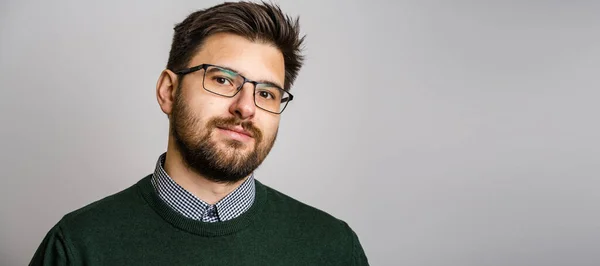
(184, 202)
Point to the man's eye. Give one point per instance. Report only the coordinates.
(222, 81)
(266, 95)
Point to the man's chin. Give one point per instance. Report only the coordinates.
(235, 146)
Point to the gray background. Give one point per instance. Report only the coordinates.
(444, 133)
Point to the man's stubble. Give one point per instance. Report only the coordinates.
(201, 153)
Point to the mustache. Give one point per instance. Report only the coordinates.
(234, 121)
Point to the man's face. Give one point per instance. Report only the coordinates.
(206, 127)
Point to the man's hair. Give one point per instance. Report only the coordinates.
(257, 22)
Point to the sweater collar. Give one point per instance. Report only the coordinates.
(177, 220)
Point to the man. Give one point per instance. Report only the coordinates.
(227, 82)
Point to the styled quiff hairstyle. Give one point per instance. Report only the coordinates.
(257, 22)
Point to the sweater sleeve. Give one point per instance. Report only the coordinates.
(358, 254)
(53, 251)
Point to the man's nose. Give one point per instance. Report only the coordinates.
(243, 105)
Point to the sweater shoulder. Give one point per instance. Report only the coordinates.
(324, 234)
(285, 206)
(106, 211)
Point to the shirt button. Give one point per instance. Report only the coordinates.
(211, 211)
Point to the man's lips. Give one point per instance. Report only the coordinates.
(238, 129)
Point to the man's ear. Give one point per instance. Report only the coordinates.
(166, 87)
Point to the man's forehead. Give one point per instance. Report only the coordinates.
(253, 59)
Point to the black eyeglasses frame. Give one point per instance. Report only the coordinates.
(204, 67)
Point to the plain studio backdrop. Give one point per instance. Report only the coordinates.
(443, 132)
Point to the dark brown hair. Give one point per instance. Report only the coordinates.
(257, 22)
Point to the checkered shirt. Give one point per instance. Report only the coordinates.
(185, 203)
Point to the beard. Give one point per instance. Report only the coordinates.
(201, 153)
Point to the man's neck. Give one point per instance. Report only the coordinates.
(207, 190)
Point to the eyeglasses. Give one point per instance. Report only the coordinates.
(226, 82)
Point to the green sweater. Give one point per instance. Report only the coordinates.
(135, 227)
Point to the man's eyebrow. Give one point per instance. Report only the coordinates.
(264, 81)
(223, 69)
